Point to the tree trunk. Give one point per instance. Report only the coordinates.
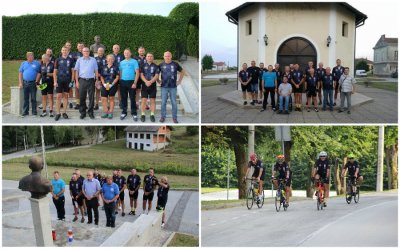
(240, 157)
(336, 177)
(388, 156)
(343, 189)
(394, 169)
(288, 147)
(310, 186)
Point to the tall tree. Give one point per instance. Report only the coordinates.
(207, 62)
(391, 155)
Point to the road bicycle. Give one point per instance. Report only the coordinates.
(252, 194)
(320, 194)
(352, 190)
(280, 196)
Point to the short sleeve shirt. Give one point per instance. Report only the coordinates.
(312, 81)
(128, 69)
(133, 182)
(352, 167)
(117, 59)
(162, 192)
(149, 70)
(244, 75)
(29, 70)
(148, 183)
(282, 169)
(110, 191)
(120, 181)
(64, 68)
(254, 74)
(109, 73)
(337, 72)
(169, 73)
(269, 79)
(141, 61)
(75, 187)
(45, 70)
(101, 61)
(257, 167)
(58, 185)
(320, 73)
(297, 76)
(322, 167)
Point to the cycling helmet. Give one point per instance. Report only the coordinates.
(280, 157)
(351, 156)
(323, 154)
(42, 86)
(253, 156)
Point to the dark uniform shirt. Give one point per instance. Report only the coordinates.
(312, 82)
(46, 69)
(282, 169)
(120, 181)
(75, 187)
(261, 74)
(320, 73)
(162, 193)
(117, 59)
(307, 71)
(289, 76)
(64, 67)
(101, 61)
(148, 183)
(133, 182)
(254, 73)
(244, 75)
(140, 60)
(109, 73)
(297, 76)
(149, 71)
(322, 167)
(257, 167)
(337, 72)
(169, 73)
(278, 76)
(327, 82)
(352, 167)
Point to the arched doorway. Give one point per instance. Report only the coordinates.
(296, 50)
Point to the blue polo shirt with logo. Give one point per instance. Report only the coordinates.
(110, 191)
(128, 69)
(169, 73)
(29, 70)
(64, 67)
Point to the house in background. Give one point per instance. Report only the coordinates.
(219, 66)
(369, 62)
(148, 138)
(385, 56)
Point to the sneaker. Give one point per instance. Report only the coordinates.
(89, 222)
(123, 116)
(162, 119)
(110, 116)
(152, 118)
(51, 114)
(162, 225)
(123, 214)
(91, 116)
(83, 115)
(143, 118)
(280, 112)
(119, 208)
(77, 107)
(324, 204)
(44, 114)
(273, 108)
(175, 120)
(112, 225)
(133, 213)
(70, 105)
(105, 115)
(65, 116)
(96, 223)
(40, 106)
(245, 103)
(348, 112)
(108, 225)
(82, 220)
(75, 219)
(262, 110)
(340, 111)
(130, 213)
(308, 109)
(316, 110)
(252, 103)
(58, 116)
(96, 107)
(135, 118)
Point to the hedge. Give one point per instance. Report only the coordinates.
(192, 41)
(38, 32)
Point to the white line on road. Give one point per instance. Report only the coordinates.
(333, 222)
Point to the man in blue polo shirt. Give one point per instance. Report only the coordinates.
(110, 194)
(129, 71)
(29, 74)
(86, 72)
(57, 191)
(269, 83)
(169, 71)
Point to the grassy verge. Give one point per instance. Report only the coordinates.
(15, 171)
(10, 78)
(389, 86)
(214, 82)
(211, 190)
(184, 240)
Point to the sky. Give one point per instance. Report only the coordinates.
(23, 7)
(218, 35)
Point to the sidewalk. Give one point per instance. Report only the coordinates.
(383, 109)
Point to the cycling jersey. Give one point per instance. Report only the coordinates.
(257, 167)
(322, 167)
(133, 182)
(282, 169)
(149, 185)
(120, 181)
(352, 167)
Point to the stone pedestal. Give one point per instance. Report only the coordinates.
(41, 221)
(17, 100)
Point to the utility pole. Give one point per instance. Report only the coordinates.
(379, 173)
(228, 178)
(250, 149)
(44, 152)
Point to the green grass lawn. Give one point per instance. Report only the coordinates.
(184, 240)
(211, 190)
(214, 82)
(384, 85)
(10, 78)
(15, 171)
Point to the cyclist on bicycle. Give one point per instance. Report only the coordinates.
(284, 173)
(321, 171)
(354, 170)
(258, 173)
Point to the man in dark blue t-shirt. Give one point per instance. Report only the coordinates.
(328, 84)
(149, 73)
(46, 74)
(149, 185)
(337, 72)
(133, 183)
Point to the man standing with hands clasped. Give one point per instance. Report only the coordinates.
(86, 73)
(91, 189)
(109, 194)
(57, 191)
(347, 86)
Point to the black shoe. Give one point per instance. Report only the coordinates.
(89, 222)
(334, 103)
(245, 103)
(122, 117)
(143, 118)
(96, 223)
(91, 116)
(96, 107)
(65, 116)
(286, 112)
(51, 114)
(262, 110)
(130, 213)
(252, 103)
(340, 111)
(280, 112)
(70, 105)
(116, 212)
(58, 116)
(316, 109)
(83, 115)
(133, 213)
(348, 112)
(152, 118)
(324, 204)
(108, 225)
(123, 214)
(77, 107)
(112, 225)
(308, 109)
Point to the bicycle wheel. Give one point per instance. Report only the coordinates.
(278, 201)
(250, 198)
(319, 204)
(284, 204)
(261, 202)
(357, 196)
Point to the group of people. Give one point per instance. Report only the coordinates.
(320, 172)
(93, 73)
(259, 83)
(109, 191)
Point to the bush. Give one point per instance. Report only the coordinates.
(37, 32)
(192, 42)
(223, 80)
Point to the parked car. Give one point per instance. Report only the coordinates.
(361, 73)
(394, 74)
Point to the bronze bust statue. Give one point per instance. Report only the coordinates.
(96, 45)
(35, 183)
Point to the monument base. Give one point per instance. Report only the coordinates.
(41, 221)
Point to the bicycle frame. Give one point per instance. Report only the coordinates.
(320, 194)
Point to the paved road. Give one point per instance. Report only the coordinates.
(382, 110)
(372, 222)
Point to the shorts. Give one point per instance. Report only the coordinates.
(139, 84)
(311, 92)
(337, 85)
(161, 203)
(79, 201)
(262, 178)
(135, 195)
(121, 196)
(323, 179)
(63, 87)
(149, 92)
(254, 87)
(110, 93)
(288, 182)
(148, 197)
(245, 88)
(298, 90)
(260, 85)
(49, 89)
